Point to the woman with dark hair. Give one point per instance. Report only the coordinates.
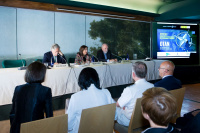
(82, 56)
(91, 95)
(31, 100)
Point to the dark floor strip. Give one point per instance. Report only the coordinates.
(191, 100)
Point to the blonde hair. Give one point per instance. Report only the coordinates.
(160, 105)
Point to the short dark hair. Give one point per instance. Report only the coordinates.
(87, 77)
(140, 69)
(81, 49)
(35, 73)
(160, 105)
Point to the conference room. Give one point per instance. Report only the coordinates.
(150, 31)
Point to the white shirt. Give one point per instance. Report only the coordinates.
(92, 97)
(130, 95)
(166, 76)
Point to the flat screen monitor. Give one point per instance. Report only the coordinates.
(175, 40)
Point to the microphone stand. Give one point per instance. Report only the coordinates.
(62, 58)
(117, 56)
(23, 67)
(21, 60)
(147, 58)
(94, 56)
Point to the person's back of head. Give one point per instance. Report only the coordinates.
(87, 77)
(159, 106)
(35, 73)
(140, 69)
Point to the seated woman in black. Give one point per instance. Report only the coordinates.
(159, 107)
(31, 100)
(82, 56)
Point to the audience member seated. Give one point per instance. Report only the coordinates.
(55, 56)
(168, 81)
(31, 100)
(189, 123)
(82, 56)
(104, 54)
(91, 95)
(159, 107)
(126, 103)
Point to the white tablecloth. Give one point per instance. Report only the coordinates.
(64, 80)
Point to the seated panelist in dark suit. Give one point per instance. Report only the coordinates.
(55, 56)
(168, 81)
(31, 100)
(104, 54)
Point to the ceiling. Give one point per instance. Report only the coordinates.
(161, 10)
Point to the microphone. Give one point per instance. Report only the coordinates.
(147, 58)
(117, 56)
(94, 56)
(23, 67)
(21, 60)
(62, 58)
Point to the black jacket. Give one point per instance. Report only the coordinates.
(169, 129)
(29, 103)
(49, 56)
(169, 83)
(101, 57)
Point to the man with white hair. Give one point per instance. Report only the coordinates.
(104, 54)
(127, 100)
(55, 56)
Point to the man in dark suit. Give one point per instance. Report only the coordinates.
(55, 56)
(168, 81)
(104, 54)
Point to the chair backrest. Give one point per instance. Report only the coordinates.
(71, 60)
(58, 124)
(38, 60)
(179, 95)
(13, 63)
(98, 119)
(137, 119)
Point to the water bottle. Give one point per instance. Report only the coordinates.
(93, 59)
(52, 62)
(127, 58)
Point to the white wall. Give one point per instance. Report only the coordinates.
(32, 32)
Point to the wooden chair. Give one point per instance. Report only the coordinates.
(38, 60)
(71, 60)
(179, 95)
(98, 119)
(137, 120)
(58, 124)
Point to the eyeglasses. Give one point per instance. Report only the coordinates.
(162, 68)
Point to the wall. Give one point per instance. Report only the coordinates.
(32, 32)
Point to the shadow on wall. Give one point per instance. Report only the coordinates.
(30, 60)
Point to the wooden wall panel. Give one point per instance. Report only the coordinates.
(70, 9)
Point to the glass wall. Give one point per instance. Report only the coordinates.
(32, 32)
(123, 36)
(7, 33)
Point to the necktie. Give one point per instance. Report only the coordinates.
(105, 56)
(55, 59)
